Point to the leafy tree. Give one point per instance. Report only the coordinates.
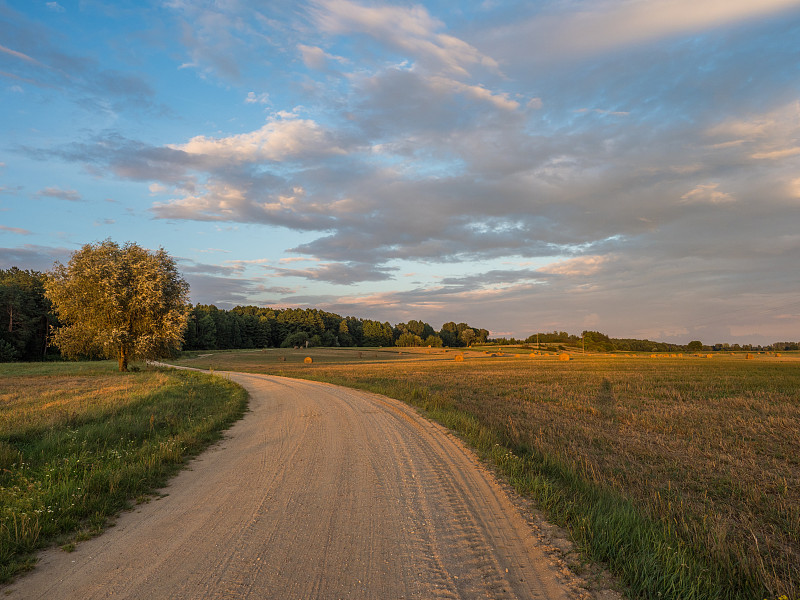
(25, 315)
(377, 333)
(694, 346)
(297, 339)
(408, 339)
(434, 341)
(467, 336)
(122, 302)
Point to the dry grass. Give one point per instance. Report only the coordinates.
(710, 449)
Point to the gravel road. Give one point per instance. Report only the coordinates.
(319, 492)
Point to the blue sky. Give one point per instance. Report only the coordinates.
(631, 166)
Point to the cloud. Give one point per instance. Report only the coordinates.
(410, 30)
(280, 139)
(707, 193)
(36, 60)
(340, 273)
(16, 230)
(776, 154)
(316, 58)
(253, 98)
(585, 28)
(55, 192)
(581, 266)
(55, 7)
(21, 56)
(478, 92)
(31, 256)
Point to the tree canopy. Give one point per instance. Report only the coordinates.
(122, 302)
(24, 315)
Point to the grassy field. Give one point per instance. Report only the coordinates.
(79, 442)
(682, 473)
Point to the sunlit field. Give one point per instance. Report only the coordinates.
(80, 441)
(680, 472)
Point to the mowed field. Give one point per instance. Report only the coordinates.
(682, 473)
(80, 441)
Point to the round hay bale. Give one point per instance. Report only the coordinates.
(533, 354)
(563, 356)
(709, 356)
(749, 357)
(459, 358)
(308, 360)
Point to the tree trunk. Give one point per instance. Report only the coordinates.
(123, 359)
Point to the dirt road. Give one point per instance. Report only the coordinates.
(319, 492)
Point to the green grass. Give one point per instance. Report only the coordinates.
(680, 473)
(79, 442)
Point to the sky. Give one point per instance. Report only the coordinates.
(626, 166)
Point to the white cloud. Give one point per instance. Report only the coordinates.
(56, 7)
(597, 26)
(253, 98)
(316, 58)
(410, 30)
(707, 194)
(278, 140)
(579, 266)
(777, 154)
(478, 92)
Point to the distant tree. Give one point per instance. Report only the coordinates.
(434, 341)
(378, 334)
(408, 340)
(122, 302)
(694, 346)
(297, 339)
(467, 336)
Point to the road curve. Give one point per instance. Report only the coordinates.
(319, 492)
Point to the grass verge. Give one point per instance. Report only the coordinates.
(79, 442)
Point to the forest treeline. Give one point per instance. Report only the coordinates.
(211, 328)
(27, 322)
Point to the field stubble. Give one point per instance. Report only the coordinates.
(683, 474)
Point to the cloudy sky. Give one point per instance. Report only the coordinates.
(628, 166)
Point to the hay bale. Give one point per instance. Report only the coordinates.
(563, 356)
(709, 356)
(749, 357)
(459, 358)
(308, 360)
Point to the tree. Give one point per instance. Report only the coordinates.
(694, 346)
(408, 339)
(25, 315)
(467, 336)
(123, 302)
